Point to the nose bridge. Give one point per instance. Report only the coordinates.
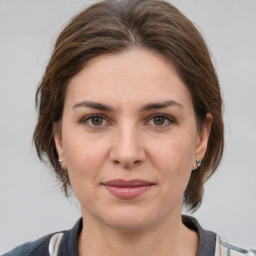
(127, 149)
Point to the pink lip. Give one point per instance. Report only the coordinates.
(128, 189)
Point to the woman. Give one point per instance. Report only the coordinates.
(130, 118)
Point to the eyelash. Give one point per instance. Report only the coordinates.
(89, 118)
(165, 117)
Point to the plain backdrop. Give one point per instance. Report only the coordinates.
(31, 204)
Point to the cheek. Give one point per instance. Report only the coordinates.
(174, 156)
(175, 167)
(84, 158)
(84, 164)
(173, 161)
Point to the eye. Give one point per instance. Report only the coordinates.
(94, 121)
(97, 120)
(160, 120)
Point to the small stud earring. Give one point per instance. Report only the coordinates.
(198, 162)
(60, 162)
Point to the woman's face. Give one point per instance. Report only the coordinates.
(129, 139)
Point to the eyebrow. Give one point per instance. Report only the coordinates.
(93, 105)
(158, 105)
(147, 107)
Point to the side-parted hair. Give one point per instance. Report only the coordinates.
(113, 26)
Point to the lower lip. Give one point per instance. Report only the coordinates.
(128, 192)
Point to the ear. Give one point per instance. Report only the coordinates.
(202, 140)
(58, 143)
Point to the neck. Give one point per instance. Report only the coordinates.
(171, 238)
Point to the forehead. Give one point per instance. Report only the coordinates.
(135, 76)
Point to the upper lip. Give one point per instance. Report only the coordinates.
(127, 183)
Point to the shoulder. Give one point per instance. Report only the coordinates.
(62, 243)
(211, 244)
(224, 248)
(39, 247)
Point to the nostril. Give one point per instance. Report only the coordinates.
(131, 164)
(127, 164)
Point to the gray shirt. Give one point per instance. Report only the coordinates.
(207, 239)
(68, 244)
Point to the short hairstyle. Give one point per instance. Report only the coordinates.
(113, 26)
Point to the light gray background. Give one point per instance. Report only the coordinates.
(31, 204)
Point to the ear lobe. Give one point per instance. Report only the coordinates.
(203, 138)
(58, 141)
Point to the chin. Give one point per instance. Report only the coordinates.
(128, 220)
(127, 225)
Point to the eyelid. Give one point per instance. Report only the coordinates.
(88, 117)
(170, 119)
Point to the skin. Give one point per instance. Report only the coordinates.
(129, 142)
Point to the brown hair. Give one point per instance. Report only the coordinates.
(112, 26)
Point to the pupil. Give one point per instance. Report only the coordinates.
(159, 120)
(97, 121)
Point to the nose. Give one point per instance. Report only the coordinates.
(127, 147)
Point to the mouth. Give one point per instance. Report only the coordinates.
(127, 189)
